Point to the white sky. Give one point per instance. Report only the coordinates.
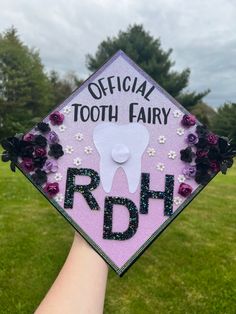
(201, 33)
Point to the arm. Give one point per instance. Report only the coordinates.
(81, 284)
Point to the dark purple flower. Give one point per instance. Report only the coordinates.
(40, 141)
(200, 153)
(52, 137)
(215, 166)
(186, 154)
(39, 177)
(40, 151)
(185, 189)
(56, 118)
(29, 137)
(188, 120)
(189, 171)
(27, 164)
(50, 166)
(212, 138)
(51, 189)
(43, 127)
(192, 139)
(56, 151)
(39, 161)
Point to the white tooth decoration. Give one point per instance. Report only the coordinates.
(120, 146)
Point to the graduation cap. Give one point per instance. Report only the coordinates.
(119, 159)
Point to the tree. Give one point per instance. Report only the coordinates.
(148, 54)
(63, 87)
(204, 113)
(224, 122)
(25, 92)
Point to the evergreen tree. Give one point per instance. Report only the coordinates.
(146, 51)
(204, 113)
(63, 87)
(224, 122)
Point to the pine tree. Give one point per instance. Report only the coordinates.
(224, 122)
(146, 51)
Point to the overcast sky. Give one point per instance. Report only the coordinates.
(201, 33)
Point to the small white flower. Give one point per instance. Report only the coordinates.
(160, 166)
(177, 113)
(77, 161)
(172, 154)
(88, 150)
(162, 139)
(180, 131)
(79, 136)
(67, 109)
(59, 198)
(177, 200)
(181, 178)
(69, 149)
(58, 176)
(62, 128)
(151, 152)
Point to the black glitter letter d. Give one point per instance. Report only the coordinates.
(108, 214)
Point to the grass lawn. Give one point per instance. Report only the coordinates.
(190, 268)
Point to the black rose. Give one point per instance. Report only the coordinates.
(12, 150)
(202, 164)
(202, 143)
(39, 161)
(186, 154)
(202, 177)
(225, 164)
(43, 127)
(26, 150)
(214, 153)
(201, 131)
(40, 141)
(56, 151)
(39, 177)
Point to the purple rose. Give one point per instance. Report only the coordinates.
(27, 164)
(201, 153)
(29, 137)
(40, 151)
(212, 138)
(51, 189)
(52, 137)
(189, 171)
(185, 189)
(188, 120)
(192, 139)
(56, 118)
(50, 166)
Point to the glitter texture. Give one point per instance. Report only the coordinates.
(85, 190)
(167, 195)
(108, 214)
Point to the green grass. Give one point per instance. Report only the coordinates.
(190, 268)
